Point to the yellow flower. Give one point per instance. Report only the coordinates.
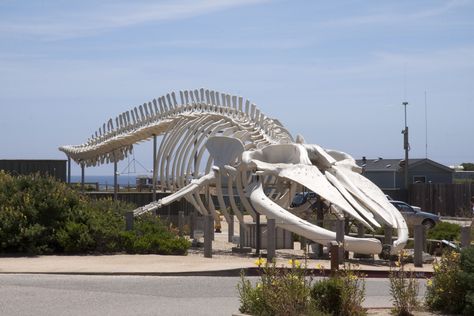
(353, 277)
(259, 262)
(429, 282)
(319, 266)
(259, 285)
(294, 263)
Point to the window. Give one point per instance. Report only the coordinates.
(419, 179)
(402, 207)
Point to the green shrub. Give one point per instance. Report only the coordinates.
(445, 230)
(403, 289)
(342, 294)
(291, 292)
(150, 235)
(41, 215)
(326, 295)
(279, 291)
(32, 208)
(467, 277)
(445, 291)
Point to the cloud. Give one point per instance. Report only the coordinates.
(95, 19)
(390, 16)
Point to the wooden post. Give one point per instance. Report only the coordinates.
(181, 223)
(129, 221)
(320, 223)
(271, 239)
(360, 230)
(258, 235)
(340, 239)
(334, 250)
(230, 228)
(387, 235)
(242, 235)
(465, 236)
(208, 228)
(192, 223)
(418, 255)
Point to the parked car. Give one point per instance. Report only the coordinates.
(302, 197)
(415, 216)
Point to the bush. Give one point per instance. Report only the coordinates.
(279, 292)
(32, 209)
(404, 289)
(290, 292)
(41, 215)
(445, 230)
(326, 295)
(150, 235)
(445, 291)
(467, 277)
(342, 294)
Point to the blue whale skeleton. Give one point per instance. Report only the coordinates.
(246, 155)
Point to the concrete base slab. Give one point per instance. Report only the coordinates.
(241, 250)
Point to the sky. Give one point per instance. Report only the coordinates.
(335, 72)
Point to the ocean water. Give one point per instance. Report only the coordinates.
(124, 180)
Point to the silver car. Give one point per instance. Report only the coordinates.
(415, 216)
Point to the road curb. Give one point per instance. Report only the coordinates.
(218, 273)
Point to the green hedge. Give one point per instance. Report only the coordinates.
(39, 215)
(445, 230)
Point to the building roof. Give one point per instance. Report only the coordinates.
(395, 165)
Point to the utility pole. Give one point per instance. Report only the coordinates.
(406, 145)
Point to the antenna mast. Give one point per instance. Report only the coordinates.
(406, 144)
(426, 128)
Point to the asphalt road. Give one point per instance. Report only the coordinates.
(136, 295)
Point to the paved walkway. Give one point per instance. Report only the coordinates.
(193, 264)
(223, 262)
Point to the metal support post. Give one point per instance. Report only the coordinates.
(271, 242)
(154, 168)
(208, 223)
(115, 180)
(418, 239)
(68, 170)
(82, 177)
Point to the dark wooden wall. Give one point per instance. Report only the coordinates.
(446, 199)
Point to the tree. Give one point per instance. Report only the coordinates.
(468, 166)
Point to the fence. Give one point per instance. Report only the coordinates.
(445, 199)
(144, 198)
